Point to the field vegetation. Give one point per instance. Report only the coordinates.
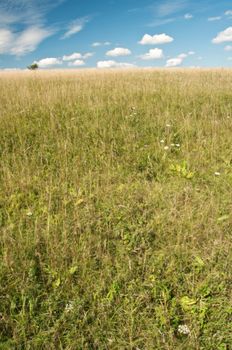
(116, 210)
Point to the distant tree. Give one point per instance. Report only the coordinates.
(33, 66)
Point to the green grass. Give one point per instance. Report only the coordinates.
(109, 239)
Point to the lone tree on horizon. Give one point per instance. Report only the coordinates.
(33, 66)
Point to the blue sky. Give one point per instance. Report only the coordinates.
(115, 33)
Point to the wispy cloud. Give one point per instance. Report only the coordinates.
(75, 27)
(25, 11)
(97, 44)
(30, 17)
(170, 7)
(21, 43)
(216, 18)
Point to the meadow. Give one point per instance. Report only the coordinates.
(116, 210)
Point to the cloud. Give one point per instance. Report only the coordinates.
(76, 63)
(169, 7)
(182, 55)
(228, 13)
(177, 61)
(88, 55)
(228, 48)
(30, 12)
(77, 55)
(188, 16)
(155, 39)
(224, 36)
(160, 22)
(153, 54)
(118, 51)
(48, 62)
(6, 38)
(72, 57)
(75, 27)
(96, 44)
(174, 62)
(21, 43)
(113, 64)
(217, 18)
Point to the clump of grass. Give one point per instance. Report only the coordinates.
(115, 210)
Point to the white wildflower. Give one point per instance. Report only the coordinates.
(168, 125)
(217, 173)
(161, 141)
(29, 213)
(69, 306)
(177, 145)
(166, 148)
(183, 329)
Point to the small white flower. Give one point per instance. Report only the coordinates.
(168, 125)
(166, 148)
(177, 145)
(172, 144)
(69, 306)
(161, 141)
(29, 213)
(217, 173)
(183, 329)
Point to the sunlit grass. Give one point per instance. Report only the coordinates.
(115, 209)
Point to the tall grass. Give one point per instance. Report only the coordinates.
(115, 210)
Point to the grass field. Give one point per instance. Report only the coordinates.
(116, 210)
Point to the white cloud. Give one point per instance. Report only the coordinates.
(183, 55)
(177, 61)
(29, 39)
(6, 39)
(155, 39)
(228, 13)
(76, 63)
(217, 18)
(96, 44)
(113, 64)
(153, 54)
(75, 27)
(118, 51)
(21, 43)
(73, 56)
(48, 62)
(228, 48)
(88, 55)
(224, 36)
(174, 62)
(76, 56)
(188, 16)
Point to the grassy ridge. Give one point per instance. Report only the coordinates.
(115, 210)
